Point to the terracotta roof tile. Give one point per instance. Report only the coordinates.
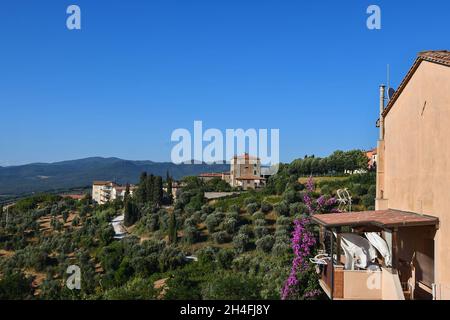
(210, 175)
(102, 183)
(381, 218)
(250, 177)
(442, 57)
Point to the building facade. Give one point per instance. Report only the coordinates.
(245, 172)
(413, 170)
(105, 191)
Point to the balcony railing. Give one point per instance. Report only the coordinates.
(338, 283)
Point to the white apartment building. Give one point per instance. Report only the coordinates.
(105, 191)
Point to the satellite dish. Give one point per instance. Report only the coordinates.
(391, 93)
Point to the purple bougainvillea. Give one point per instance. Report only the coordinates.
(303, 240)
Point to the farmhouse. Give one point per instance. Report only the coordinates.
(245, 173)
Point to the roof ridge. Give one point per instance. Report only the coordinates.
(434, 56)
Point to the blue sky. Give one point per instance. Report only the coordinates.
(140, 69)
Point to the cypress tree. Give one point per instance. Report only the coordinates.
(157, 190)
(131, 213)
(142, 191)
(172, 228)
(150, 188)
(169, 190)
(127, 193)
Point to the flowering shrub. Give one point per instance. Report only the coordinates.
(303, 241)
(321, 205)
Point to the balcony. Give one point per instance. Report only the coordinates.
(341, 284)
(383, 255)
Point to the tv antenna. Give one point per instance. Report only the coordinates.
(391, 91)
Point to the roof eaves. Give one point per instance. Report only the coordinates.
(440, 57)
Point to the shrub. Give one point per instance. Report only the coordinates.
(291, 196)
(182, 285)
(207, 209)
(265, 243)
(260, 222)
(240, 242)
(170, 258)
(266, 207)
(190, 222)
(230, 225)
(246, 229)
(280, 248)
(282, 232)
(258, 215)
(325, 189)
(225, 258)
(197, 216)
(76, 221)
(15, 286)
(282, 208)
(219, 215)
(163, 220)
(106, 235)
(249, 200)
(252, 207)
(260, 231)
(232, 286)
(221, 237)
(191, 234)
(206, 255)
(283, 221)
(135, 289)
(152, 222)
(234, 215)
(359, 189)
(235, 208)
(211, 223)
(297, 208)
(368, 201)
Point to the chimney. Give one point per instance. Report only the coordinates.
(382, 98)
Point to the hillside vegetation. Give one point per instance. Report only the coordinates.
(233, 248)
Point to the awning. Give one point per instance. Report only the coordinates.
(380, 218)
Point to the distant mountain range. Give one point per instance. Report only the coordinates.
(40, 177)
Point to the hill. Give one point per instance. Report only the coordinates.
(39, 177)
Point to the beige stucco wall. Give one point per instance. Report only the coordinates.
(362, 285)
(391, 288)
(417, 155)
(96, 191)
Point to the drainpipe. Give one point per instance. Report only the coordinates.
(382, 98)
(380, 202)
